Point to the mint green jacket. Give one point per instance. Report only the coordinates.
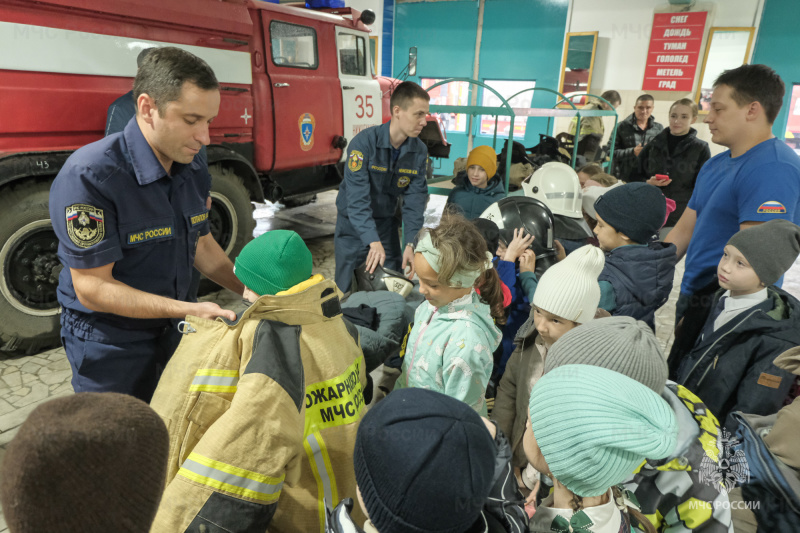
(449, 350)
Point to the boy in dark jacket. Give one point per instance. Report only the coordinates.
(677, 153)
(637, 278)
(479, 186)
(729, 362)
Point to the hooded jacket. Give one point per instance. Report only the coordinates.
(732, 368)
(262, 415)
(676, 493)
(449, 350)
(641, 277)
(682, 166)
(628, 136)
(473, 200)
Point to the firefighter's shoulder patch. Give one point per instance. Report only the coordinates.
(355, 160)
(85, 225)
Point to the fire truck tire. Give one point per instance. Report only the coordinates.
(231, 215)
(29, 269)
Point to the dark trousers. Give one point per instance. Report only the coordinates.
(350, 252)
(132, 368)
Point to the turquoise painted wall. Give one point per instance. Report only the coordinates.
(522, 40)
(776, 46)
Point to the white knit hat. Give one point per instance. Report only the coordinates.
(569, 288)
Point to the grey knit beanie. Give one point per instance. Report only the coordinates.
(619, 343)
(771, 248)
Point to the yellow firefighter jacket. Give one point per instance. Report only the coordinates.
(262, 417)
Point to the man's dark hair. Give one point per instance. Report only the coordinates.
(164, 71)
(612, 97)
(646, 98)
(404, 93)
(755, 83)
(142, 55)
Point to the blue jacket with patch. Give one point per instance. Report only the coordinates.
(373, 183)
(472, 200)
(640, 277)
(732, 369)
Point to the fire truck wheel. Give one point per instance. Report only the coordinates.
(29, 269)
(231, 216)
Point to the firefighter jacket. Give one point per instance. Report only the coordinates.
(262, 416)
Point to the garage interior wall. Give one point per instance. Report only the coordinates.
(624, 37)
(776, 46)
(522, 40)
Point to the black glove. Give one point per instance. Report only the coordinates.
(339, 520)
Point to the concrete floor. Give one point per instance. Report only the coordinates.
(27, 381)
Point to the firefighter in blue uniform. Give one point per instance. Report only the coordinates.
(131, 219)
(383, 163)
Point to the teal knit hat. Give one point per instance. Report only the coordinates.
(273, 262)
(595, 426)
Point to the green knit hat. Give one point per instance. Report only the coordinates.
(595, 426)
(273, 262)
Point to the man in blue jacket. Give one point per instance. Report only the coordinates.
(383, 163)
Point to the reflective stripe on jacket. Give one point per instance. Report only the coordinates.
(262, 415)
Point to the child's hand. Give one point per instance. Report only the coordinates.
(518, 245)
(501, 250)
(527, 262)
(561, 254)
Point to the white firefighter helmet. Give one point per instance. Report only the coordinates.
(558, 187)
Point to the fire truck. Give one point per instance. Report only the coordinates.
(296, 85)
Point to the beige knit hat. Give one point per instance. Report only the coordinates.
(569, 288)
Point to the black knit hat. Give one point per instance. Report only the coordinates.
(490, 232)
(88, 463)
(771, 248)
(424, 462)
(636, 209)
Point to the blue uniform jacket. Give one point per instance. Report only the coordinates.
(113, 202)
(472, 200)
(372, 183)
(640, 279)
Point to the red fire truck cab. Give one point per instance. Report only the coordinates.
(296, 84)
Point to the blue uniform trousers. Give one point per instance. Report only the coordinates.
(350, 252)
(132, 368)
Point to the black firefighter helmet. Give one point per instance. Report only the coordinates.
(383, 279)
(531, 215)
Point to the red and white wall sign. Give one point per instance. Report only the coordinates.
(674, 51)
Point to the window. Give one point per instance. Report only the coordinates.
(506, 88)
(793, 125)
(352, 56)
(455, 93)
(293, 45)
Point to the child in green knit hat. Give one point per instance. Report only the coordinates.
(590, 428)
(274, 263)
